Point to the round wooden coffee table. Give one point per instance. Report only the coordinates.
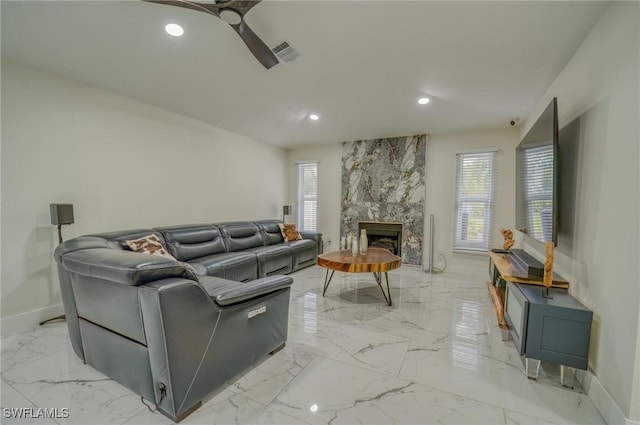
(376, 261)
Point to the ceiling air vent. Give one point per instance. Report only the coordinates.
(285, 52)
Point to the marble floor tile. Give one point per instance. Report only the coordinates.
(27, 346)
(513, 418)
(21, 410)
(227, 407)
(434, 356)
(332, 392)
(470, 373)
(269, 378)
(61, 380)
(237, 409)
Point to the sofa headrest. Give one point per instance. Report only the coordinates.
(187, 242)
(125, 235)
(241, 236)
(271, 231)
(83, 242)
(124, 267)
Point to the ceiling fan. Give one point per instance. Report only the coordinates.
(232, 12)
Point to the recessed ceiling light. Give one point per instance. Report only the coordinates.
(424, 100)
(314, 117)
(174, 30)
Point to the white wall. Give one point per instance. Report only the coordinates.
(123, 164)
(441, 187)
(329, 188)
(601, 85)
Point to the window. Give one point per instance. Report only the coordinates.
(474, 201)
(307, 207)
(538, 191)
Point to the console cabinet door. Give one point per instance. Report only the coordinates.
(558, 334)
(559, 328)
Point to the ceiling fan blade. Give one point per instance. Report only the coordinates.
(200, 7)
(240, 6)
(238, 9)
(261, 51)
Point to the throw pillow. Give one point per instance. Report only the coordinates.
(149, 244)
(290, 232)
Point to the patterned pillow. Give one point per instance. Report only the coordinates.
(289, 232)
(149, 244)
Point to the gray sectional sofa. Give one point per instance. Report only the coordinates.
(177, 330)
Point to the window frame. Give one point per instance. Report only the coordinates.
(486, 198)
(303, 215)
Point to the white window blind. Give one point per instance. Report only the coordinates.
(307, 207)
(538, 191)
(474, 201)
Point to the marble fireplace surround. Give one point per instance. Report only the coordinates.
(383, 180)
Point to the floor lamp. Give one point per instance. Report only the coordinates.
(60, 214)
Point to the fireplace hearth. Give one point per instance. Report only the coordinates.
(383, 235)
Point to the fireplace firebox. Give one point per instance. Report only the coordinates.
(383, 235)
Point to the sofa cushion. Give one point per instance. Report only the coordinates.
(304, 253)
(273, 259)
(193, 241)
(149, 244)
(289, 232)
(238, 266)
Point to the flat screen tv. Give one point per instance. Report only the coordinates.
(537, 178)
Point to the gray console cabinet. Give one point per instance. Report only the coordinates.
(555, 330)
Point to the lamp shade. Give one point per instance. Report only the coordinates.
(286, 209)
(61, 213)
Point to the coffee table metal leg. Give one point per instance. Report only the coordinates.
(378, 277)
(327, 281)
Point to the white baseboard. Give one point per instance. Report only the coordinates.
(29, 320)
(606, 405)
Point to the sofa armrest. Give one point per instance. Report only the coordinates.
(314, 236)
(125, 267)
(247, 291)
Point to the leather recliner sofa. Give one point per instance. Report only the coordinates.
(173, 336)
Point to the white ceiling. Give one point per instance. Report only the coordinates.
(362, 64)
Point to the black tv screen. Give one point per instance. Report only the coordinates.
(537, 178)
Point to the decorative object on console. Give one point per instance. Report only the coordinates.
(343, 243)
(508, 238)
(547, 279)
(61, 214)
(354, 246)
(363, 242)
(286, 210)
